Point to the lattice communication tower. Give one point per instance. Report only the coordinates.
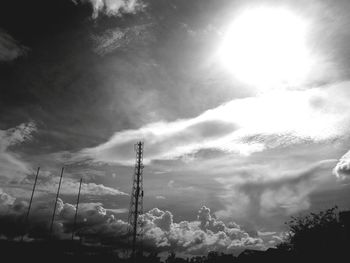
(136, 202)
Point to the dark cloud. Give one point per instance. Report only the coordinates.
(271, 198)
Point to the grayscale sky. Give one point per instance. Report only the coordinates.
(228, 160)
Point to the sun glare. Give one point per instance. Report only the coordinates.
(267, 47)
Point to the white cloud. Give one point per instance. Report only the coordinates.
(48, 183)
(342, 168)
(244, 126)
(174, 186)
(92, 219)
(159, 230)
(113, 7)
(195, 237)
(69, 186)
(118, 210)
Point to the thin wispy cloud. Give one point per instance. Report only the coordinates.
(70, 187)
(11, 165)
(17, 174)
(10, 49)
(122, 39)
(243, 126)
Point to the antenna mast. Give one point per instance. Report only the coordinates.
(54, 209)
(136, 202)
(30, 204)
(76, 210)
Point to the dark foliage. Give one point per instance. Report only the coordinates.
(319, 236)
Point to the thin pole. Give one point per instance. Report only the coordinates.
(54, 210)
(76, 210)
(30, 203)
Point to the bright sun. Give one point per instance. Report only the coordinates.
(266, 47)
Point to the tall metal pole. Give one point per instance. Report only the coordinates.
(137, 194)
(30, 203)
(76, 210)
(54, 210)
(136, 201)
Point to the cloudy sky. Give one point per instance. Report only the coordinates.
(244, 115)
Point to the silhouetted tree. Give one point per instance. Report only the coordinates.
(316, 236)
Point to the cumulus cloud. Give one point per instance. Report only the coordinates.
(342, 169)
(113, 7)
(244, 126)
(10, 49)
(195, 237)
(93, 219)
(11, 165)
(97, 224)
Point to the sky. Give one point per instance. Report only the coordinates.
(234, 145)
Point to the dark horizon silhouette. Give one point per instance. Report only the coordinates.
(313, 237)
